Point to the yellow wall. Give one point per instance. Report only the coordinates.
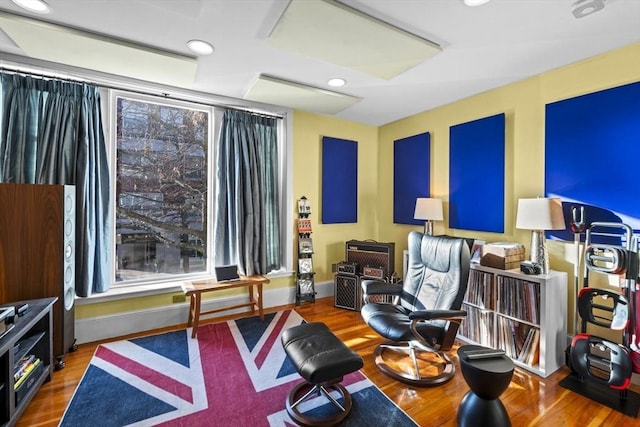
(524, 176)
(329, 240)
(523, 104)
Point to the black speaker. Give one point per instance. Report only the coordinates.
(347, 291)
(369, 253)
(347, 268)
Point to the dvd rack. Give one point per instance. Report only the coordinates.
(305, 285)
(26, 356)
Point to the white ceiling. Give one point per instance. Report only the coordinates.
(482, 47)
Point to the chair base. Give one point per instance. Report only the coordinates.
(305, 390)
(416, 379)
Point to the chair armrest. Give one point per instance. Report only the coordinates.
(437, 314)
(378, 287)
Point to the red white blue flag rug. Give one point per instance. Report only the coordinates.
(234, 373)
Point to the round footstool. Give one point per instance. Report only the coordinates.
(488, 375)
(322, 360)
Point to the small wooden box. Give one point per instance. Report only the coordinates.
(502, 255)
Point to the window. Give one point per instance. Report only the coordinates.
(163, 178)
(161, 187)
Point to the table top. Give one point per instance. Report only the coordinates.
(212, 284)
(496, 365)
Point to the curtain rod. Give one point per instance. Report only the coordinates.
(165, 95)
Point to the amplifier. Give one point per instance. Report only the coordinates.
(348, 293)
(371, 254)
(373, 272)
(347, 268)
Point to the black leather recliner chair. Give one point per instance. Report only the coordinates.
(423, 318)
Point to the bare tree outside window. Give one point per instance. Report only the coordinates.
(161, 190)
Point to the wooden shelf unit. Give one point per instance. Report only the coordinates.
(32, 334)
(504, 304)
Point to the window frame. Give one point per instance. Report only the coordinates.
(112, 146)
(215, 121)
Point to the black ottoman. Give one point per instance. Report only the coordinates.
(487, 377)
(322, 360)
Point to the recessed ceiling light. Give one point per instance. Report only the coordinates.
(583, 9)
(473, 3)
(200, 47)
(337, 82)
(37, 6)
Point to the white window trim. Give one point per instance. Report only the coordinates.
(113, 95)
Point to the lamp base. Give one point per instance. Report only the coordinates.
(428, 227)
(539, 253)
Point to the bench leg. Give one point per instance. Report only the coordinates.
(191, 307)
(259, 300)
(255, 297)
(194, 313)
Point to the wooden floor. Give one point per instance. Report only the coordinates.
(530, 400)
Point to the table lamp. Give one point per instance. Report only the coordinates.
(429, 210)
(539, 215)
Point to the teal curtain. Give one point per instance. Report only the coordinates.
(51, 133)
(247, 225)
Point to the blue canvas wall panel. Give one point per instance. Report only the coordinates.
(339, 181)
(476, 174)
(411, 168)
(592, 143)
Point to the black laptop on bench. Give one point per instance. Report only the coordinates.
(226, 273)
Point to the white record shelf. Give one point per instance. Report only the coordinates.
(525, 315)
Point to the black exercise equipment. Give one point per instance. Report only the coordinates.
(594, 360)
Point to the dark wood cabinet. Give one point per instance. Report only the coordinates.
(31, 336)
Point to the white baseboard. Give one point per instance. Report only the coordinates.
(115, 325)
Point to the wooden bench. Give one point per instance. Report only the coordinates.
(195, 289)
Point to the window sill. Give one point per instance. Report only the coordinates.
(135, 291)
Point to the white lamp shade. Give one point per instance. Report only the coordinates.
(428, 209)
(540, 214)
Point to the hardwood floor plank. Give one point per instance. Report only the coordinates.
(530, 400)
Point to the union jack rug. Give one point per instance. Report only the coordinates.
(235, 373)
